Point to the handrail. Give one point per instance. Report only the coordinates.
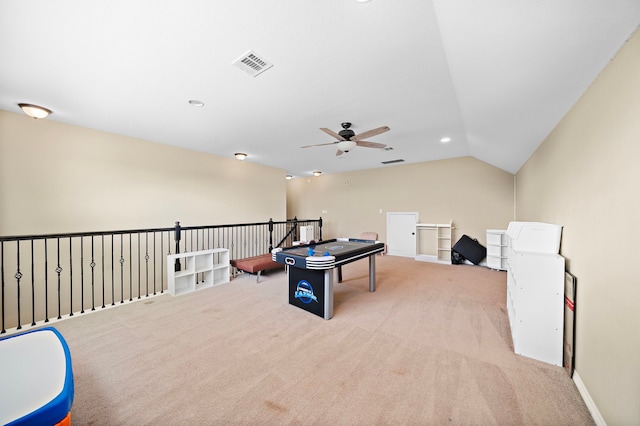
(51, 276)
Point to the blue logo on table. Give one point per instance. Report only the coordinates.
(304, 292)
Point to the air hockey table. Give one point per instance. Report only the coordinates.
(36, 379)
(310, 270)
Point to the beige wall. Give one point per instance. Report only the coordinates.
(473, 194)
(586, 177)
(57, 178)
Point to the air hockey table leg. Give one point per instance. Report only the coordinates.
(328, 294)
(372, 273)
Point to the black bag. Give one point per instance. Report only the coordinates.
(470, 248)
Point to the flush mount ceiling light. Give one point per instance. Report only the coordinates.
(288, 177)
(363, 1)
(240, 155)
(34, 111)
(445, 140)
(317, 173)
(196, 103)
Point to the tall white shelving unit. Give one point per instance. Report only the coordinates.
(535, 290)
(497, 251)
(440, 247)
(199, 270)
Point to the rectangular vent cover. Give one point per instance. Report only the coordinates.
(252, 63)
(393, 161)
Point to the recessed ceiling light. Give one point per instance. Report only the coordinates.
(196, 103)
(445, 140)
(363, 1)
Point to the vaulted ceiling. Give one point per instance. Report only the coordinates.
(495, 76)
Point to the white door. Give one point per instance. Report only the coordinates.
(401, 233)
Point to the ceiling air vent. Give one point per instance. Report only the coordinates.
(393, 161)
(252, 63)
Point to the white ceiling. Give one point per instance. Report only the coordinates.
(494, 75)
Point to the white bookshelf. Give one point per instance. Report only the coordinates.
(434, 242)
(497, 249)
(198, 270)
(535, 290)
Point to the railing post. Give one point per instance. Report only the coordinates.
(295, 228)
(270, 234)
(177, 233)
(320, 225)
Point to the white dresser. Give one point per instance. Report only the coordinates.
(535, 290)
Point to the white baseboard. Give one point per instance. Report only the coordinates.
(593, 409)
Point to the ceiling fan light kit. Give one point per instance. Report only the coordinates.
(346, 146)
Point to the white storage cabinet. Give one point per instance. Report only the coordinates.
(535, 290)
(439, 249)
(306, 233)
(497, 250)
(199, 270)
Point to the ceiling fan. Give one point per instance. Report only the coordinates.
(347, 139)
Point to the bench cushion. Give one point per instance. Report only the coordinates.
(255, 264)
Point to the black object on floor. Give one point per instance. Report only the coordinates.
(470, 249)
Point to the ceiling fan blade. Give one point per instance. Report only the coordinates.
(320, 144)
(370, 144)
(332, 133)
(370, 133)
(339, 153)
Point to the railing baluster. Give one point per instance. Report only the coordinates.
(33, 289)
(102, 267)
(130, 268)
(154, 263)
(82, 275)
(46, 281)
(58, 271)
(113, 280)
(4, 330)
(146, 261)
(70, 277)
(161, 264)
(93, 275)
(18, 276)
(121, 268)
(139, 295)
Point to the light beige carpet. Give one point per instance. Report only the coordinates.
(431, 346)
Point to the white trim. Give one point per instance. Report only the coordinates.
(593, 409)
